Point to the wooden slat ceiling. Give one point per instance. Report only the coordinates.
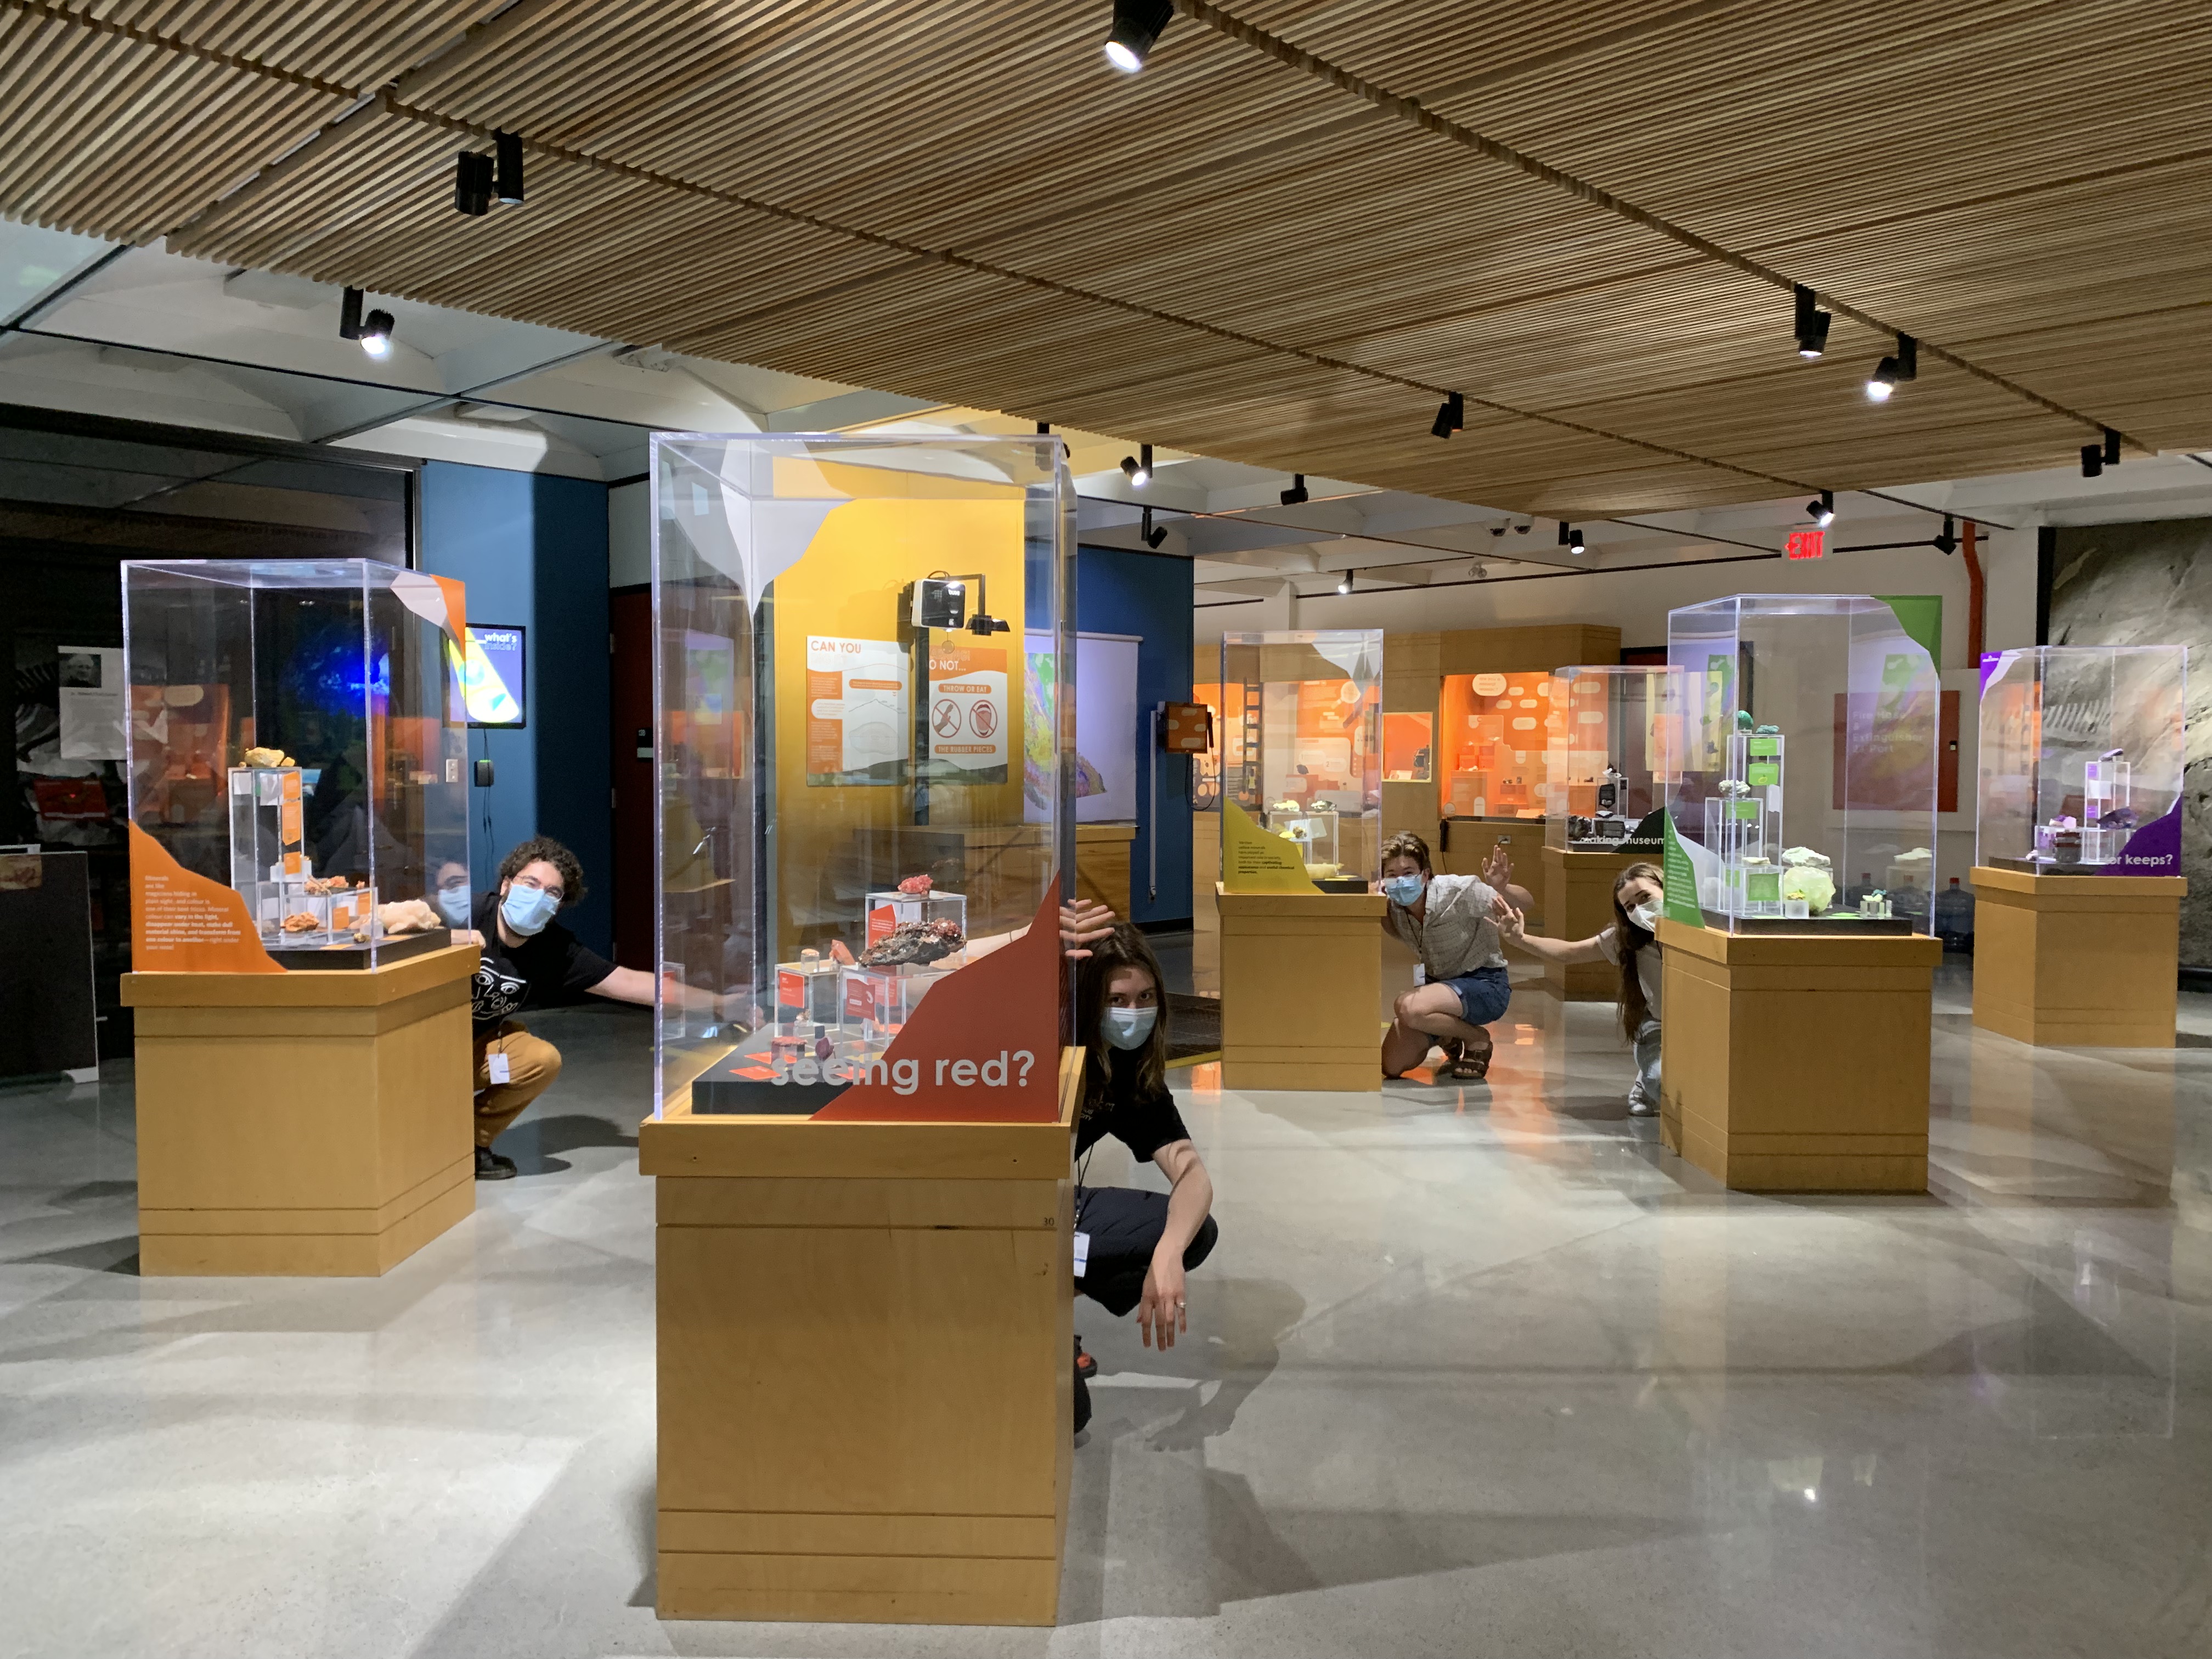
(1280, 244)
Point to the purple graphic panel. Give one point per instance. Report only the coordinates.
(2154, 849)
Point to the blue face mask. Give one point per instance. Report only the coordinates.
(1403, 890)
(527, 909)
(1127, 1028)
(456, 902)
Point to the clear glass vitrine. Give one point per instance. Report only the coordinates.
(1301, 744)
(297, 760)
(2081, 760)
(1805, 799)
(1612, 755)
(866, 754)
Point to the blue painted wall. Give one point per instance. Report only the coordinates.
(1149, 595)
(533, 549)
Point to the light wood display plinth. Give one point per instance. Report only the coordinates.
(1102, 865)
(303, 1123)
(866, 1359)
(1577, 903)
(1301, 982)
(1798, 1062)
(2077, 960)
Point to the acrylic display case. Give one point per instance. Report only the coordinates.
(1301, 744)
(297, 761)
(1612, 756)
(867, 777)
(2081, 760)
(1805, 800)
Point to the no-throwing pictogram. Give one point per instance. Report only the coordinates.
(945, 719)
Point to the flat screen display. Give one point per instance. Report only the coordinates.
(489, 687)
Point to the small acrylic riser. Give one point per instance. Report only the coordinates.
(1743, 829)
(888, 912)
(2060, 846)
(288, 914)
(1315, 832)
(267, 807)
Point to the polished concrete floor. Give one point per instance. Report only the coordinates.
(1473, 1371)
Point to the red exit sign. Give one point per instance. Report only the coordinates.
(1808, 544)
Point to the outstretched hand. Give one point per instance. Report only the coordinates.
(1498, 869)
(1512, 924)
(1082, 925)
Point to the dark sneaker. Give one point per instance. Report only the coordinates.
(490, 1166)
(1086, 1366)
(1082, 1403)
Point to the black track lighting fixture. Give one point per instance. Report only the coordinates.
(472, 181)
(1137, 26)
(1903, 365)
(373, 331)
(1572, 538)
(1296, 495)
(1948, 543)
(1140, 473)
(506, 168)
(1344, 582)
(1153, 537)
(1044, 428)
(2111, 447)
(1812, 323)
(1821, 509)
(1451, 417)
(2093, 460)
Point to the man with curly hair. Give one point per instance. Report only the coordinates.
(530, 960)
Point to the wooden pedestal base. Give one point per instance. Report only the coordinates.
(1798, 1062)
(1301, 980)
(2077, 960)
(866, 1354)
(1578, 903)
(302, 1123)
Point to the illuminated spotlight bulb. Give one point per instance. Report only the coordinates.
(1882, 381)
(1813, 325)
(1575, 543)
(376, 334)
(1904, 364)
(1344, 583)
(1137, 26)
(1821, 509)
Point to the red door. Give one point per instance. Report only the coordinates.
(630, 614)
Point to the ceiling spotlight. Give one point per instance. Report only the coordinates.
(373, 330)
(507, 152)
(1523, 528)
(1044, 428)
(1572, 538)
(2111, 447)
(472, 178)
(1821, 509)
(1479, 571)
(1140, 469)
(1948, 543)
(1296, 495)
(1905, 366)
(1812, 325)
(1451, 417)
(1498, 529)
(1153, 537)
(2093, 460)
(1344, 583)
(1137, 26)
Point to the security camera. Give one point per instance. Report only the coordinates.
(1498, 529)
(1522, 529)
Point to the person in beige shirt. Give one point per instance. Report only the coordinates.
(1452, 924)
(1629, 945)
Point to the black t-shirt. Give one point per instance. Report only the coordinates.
(553, 966)
(1142, 1123)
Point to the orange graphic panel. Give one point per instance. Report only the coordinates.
(184, 923)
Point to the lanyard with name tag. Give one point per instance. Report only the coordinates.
(497, 1064)
(1082, 1253)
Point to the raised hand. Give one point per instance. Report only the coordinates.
(1498, 868)
(1082, 925)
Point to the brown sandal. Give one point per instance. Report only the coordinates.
(1464, 1067)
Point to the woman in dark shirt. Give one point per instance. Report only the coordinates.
(1133, 1247)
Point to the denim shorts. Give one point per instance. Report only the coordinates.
(1483, 994)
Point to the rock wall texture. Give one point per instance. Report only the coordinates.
(2151, 584)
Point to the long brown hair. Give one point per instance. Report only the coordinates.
(1634, 1008)
(1125, 947)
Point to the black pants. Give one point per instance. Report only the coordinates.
(1125, 1225)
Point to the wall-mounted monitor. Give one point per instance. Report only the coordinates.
(489, 683)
